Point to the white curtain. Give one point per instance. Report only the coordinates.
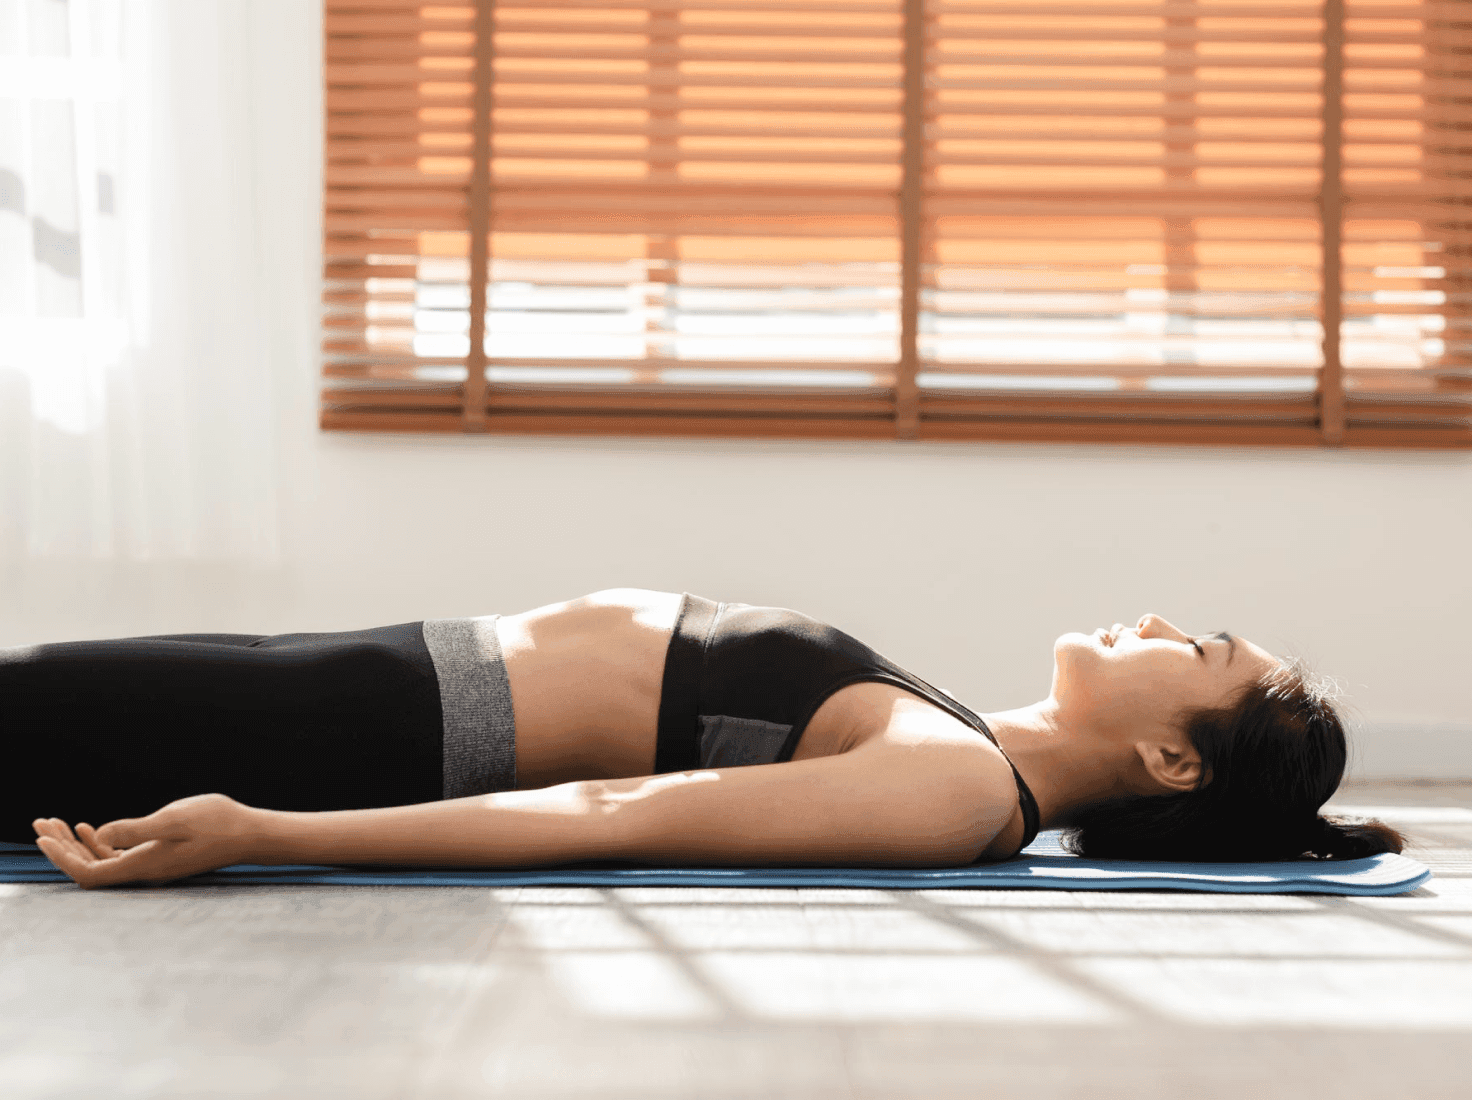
(137, 412)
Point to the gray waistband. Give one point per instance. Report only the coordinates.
(475, 699)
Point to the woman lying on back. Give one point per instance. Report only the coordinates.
(650, 726)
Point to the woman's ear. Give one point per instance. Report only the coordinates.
(1177, 768)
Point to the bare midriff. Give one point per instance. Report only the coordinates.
(585, 684)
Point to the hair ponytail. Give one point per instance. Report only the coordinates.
(1334, 839)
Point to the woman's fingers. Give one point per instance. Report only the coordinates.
(67, 854)
(51, 826)
(140, 864)
(65, 859)
(60, 833)
(98, 846)
(87, 861)
(125, 832)
(104, 842)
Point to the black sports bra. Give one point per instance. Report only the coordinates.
(741, 684)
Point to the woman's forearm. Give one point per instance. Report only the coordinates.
(559, 824)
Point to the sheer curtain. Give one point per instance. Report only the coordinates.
(138, 417)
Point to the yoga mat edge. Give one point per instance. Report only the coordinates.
(1377, 875)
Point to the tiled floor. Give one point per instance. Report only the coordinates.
(447, 992)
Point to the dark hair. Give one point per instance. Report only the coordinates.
(1270, 758)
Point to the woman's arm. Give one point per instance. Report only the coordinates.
(881, 804)
(891, 801)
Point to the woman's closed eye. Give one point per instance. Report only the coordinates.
(1197, 647)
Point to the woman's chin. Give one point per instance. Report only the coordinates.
(1076, 641)
(1075, 656)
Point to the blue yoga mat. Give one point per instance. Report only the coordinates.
(1042, 866)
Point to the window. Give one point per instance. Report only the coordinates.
(1089, 220)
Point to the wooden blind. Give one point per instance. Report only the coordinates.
(1060, 219)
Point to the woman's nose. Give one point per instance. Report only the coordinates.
(1153, 626)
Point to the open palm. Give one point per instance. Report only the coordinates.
(184, 838)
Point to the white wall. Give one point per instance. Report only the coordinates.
(960, 561)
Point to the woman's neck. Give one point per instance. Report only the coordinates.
(1064, 770)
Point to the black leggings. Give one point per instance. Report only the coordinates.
(94, 731)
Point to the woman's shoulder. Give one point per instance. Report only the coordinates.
(956, 769)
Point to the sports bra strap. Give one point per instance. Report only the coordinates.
(1031, 818)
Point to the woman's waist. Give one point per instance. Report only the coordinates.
(585, 682)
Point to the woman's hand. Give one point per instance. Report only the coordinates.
(184, 838)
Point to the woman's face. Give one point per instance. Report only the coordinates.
(1133, 677)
